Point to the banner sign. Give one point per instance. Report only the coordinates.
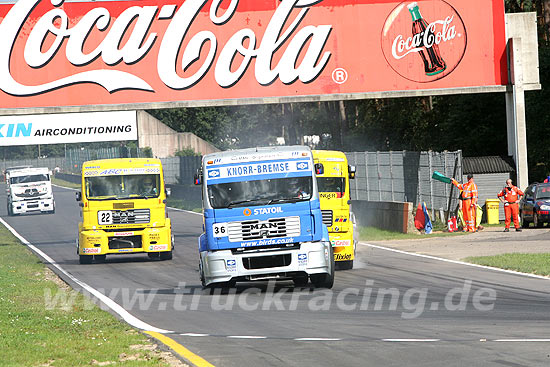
(68, 128)
(60, 53)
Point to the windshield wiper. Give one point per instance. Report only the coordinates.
(242, 202)
(284, 200)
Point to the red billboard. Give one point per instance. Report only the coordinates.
(56, 53)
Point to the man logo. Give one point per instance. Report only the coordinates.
(247, 212)
(213, 173)
(302, 256)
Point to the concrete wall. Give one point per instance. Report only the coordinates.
(164, 141)
(389, 215)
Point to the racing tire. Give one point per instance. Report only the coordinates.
(300, 280)
(166, 255)
(325, 280)
(344, 265)
(10, 212)
(85, 259)
(154, 255)
(100, 258)
(536, 221)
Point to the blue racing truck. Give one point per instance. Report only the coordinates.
(262, 218)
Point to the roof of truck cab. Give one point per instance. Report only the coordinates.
(120, 163)
(327, 154)
(28, 171)
(252, 151)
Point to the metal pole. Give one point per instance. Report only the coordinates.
(452, 189)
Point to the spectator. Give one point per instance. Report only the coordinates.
(510, 196)
(469, 202)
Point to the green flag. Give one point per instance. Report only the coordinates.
(439, 177)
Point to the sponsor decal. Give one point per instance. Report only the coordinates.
(158, 247)
(302, 166)
(269, 241)
(341, 257)
(247, 212)
(96, 250)
(213, 172)
(302, 259)
(124, 233)
(434, 47)
(231, 265)
(330, 195)
(340, 243)
(271, 210)
(125, 250)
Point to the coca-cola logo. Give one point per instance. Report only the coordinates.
(424, 41)
(98, 48)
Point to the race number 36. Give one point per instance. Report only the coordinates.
(219, 229)
(104, 217)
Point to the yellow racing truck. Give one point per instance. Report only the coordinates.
(123, 205)
(333, 182)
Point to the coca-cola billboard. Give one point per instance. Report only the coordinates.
(157, 53)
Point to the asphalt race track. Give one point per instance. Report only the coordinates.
(392, 309)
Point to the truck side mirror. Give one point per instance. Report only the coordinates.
(198, 178)
(319, 168)
(351, 170)
(78, 196)
(168, 191)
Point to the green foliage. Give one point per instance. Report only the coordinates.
(186, 152)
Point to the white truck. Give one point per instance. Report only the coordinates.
(29, 190)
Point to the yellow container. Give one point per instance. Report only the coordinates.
(491, 206)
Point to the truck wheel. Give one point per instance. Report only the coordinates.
(166, 255)
(9, 210)
(300, 280)
(100, 258)
(344, 265)
(85, 259)
(325, 280)
(153, 255)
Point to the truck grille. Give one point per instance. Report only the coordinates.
(256, 229)
(131, 216)
(327, 217)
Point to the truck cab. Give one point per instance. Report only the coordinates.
(29, 190)
(334, 193)
(262, 218)
(123, 211)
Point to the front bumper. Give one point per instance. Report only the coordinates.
(343, 244)
(225, 265)
(32, 206)
(99, 242)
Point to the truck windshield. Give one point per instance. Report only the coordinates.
(260, 192)
(122, 187)
(29, 178)
(331, 184)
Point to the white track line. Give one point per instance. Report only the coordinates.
(246, 337)
(456, 262)
(411, 340)
(194, 334)
(129, 318)
(522, 340)
(317, 339)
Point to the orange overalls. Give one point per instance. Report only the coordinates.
(469, 203)
(511, 207)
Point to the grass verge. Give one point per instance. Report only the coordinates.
(526, 263)
(43, 322)
(376, 234)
